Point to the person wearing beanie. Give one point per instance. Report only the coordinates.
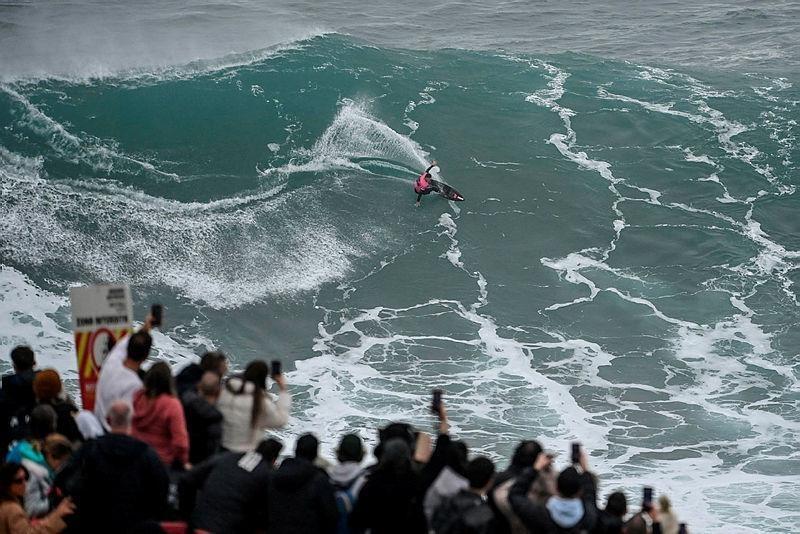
(572, 510)
(48, 389)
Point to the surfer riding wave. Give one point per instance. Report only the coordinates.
(423, 185)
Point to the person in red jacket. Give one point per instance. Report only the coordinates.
(422, 185)
(158, 417)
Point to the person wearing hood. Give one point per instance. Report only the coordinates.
(232, 490)
(451, 479)
(301, 497)
(390, 502)
(347, 477)
(572, 510)
(468, 512)
(158, 418)
(29, 453)
(16, 395)
(120, 481)
(203, 419)
(247, 409)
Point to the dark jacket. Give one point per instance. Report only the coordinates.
(65, 422)
(390, 503)
(204, 424)
(233, 493)
(120, 484)
(16, 402)
(188, 378)
(608, 524)
(537, 518)
(464, 513)
(301, 499)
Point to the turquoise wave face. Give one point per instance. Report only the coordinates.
(622, 273)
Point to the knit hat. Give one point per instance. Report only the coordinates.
(47, 385)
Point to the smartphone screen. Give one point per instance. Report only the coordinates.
(157, 311)
(436, 405)
(276, 367)
(647, 499)
(575, 454)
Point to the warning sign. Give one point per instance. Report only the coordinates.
(100, 316)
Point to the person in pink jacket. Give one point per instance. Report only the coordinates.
(158, 418)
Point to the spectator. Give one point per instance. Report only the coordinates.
(451, 479)
(347, 477)
(16, 396)
(48, 390)
(58, 451)
(247, 409)
(29, 453)
(190, 375)
(233, 490)
(506, 522)
(390, 501)
(203, 419)
(301, 498)
(647, 521)
(610, 520)
(467, 512)
(119, 376)
(158, 417)
(573, 509)
(121, 483)
(669, 522)
(13, 478)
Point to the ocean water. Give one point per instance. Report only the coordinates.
(623, 272)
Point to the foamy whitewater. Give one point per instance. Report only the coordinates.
(623, 272)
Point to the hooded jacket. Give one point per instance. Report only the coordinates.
(204, 425)
(233, 493)
(466, 512)
(160, 423)
(301, 499)
(557, 515)
(120, 483)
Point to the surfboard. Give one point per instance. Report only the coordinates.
(446, 191)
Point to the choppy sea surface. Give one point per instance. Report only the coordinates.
(624, 271)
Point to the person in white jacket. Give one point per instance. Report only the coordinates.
(248, 410)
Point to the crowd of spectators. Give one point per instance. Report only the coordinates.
(191, 453)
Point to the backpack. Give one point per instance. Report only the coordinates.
(345, 501)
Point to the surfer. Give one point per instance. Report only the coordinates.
(422, 185)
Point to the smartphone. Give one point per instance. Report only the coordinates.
(275, 367)
(647, 498)
(575, 454)
(157, 312)
(436, 405)
(682, 529)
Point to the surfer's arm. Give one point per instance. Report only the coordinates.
(432, 165)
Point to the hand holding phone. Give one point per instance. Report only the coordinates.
(575, 453)
(436, 404)
(647, 498)
(156, 315)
